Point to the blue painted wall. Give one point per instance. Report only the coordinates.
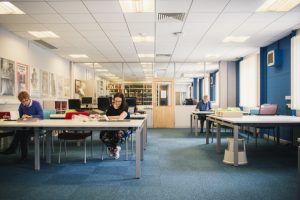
(275, 82)
(195, 87)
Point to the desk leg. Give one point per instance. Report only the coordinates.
(145, 133)
(138, 154)
(218, 138)
(142, 141)
(191, 122)
(207, 131)
(235, 147)
(48, 146)
(36, 149)
(277, 134)
(196, 125)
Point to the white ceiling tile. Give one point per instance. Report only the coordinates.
(34, 7)
(48, 18)
(164, 48)
(79, 18)
(69, 7)
(209, 6)
(24, 27)
(139, 17)
(240, 5)
(93, 34)
(145, 47)
(87, 27)
(264, 17)
(207, 24)
(194, 30)
(172, 6)
(109, 17)
(116, 33)
(167, 29)
(121, 39)
(147, 29)
(114, 26)
(202, 17)
(60, 27)
(103, 6)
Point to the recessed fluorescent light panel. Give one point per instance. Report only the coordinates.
(101, 70)
(141, 38)
(7, 8)
(146, 55)
(278, 5)
(135, 6)
(43, 34)
(236, 39)
(78, 56)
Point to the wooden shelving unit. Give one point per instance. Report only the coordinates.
(142, 91)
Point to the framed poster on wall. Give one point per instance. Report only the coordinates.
(45, 83)
(7, 77)
(22, 77)
(35, 82)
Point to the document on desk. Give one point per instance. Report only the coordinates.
(28, 120)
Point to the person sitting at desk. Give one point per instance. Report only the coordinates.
(28, 109)
(117, 111)
(203, 105)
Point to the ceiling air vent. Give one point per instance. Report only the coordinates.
(45, 44)
(163, 55)
(171, 17)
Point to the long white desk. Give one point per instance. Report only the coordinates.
(132, 116)
(248, 120)
(196, 115)
(38, 126)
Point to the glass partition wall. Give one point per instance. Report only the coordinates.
(135, 79)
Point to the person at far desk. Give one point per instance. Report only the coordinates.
(203, 105)
(117, 111)
(28, 109)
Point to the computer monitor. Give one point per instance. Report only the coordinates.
(103, 103)
(131, 103)
(87, 101)
(74, 104)
(189, 102)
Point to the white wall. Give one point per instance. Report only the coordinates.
(223, 85)
(26, 52)
(231, 84)
(227, 84)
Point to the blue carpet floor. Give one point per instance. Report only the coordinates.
(177, 166)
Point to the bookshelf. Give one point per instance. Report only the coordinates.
(142, 91)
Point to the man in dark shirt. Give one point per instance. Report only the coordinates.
(203, 105)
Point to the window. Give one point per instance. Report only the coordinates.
(295, 73)
(249, 74)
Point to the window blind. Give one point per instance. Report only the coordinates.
(249, 81)
(295, 73)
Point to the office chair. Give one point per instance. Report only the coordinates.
(75, 135)
(267, 109)
(5, 133)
